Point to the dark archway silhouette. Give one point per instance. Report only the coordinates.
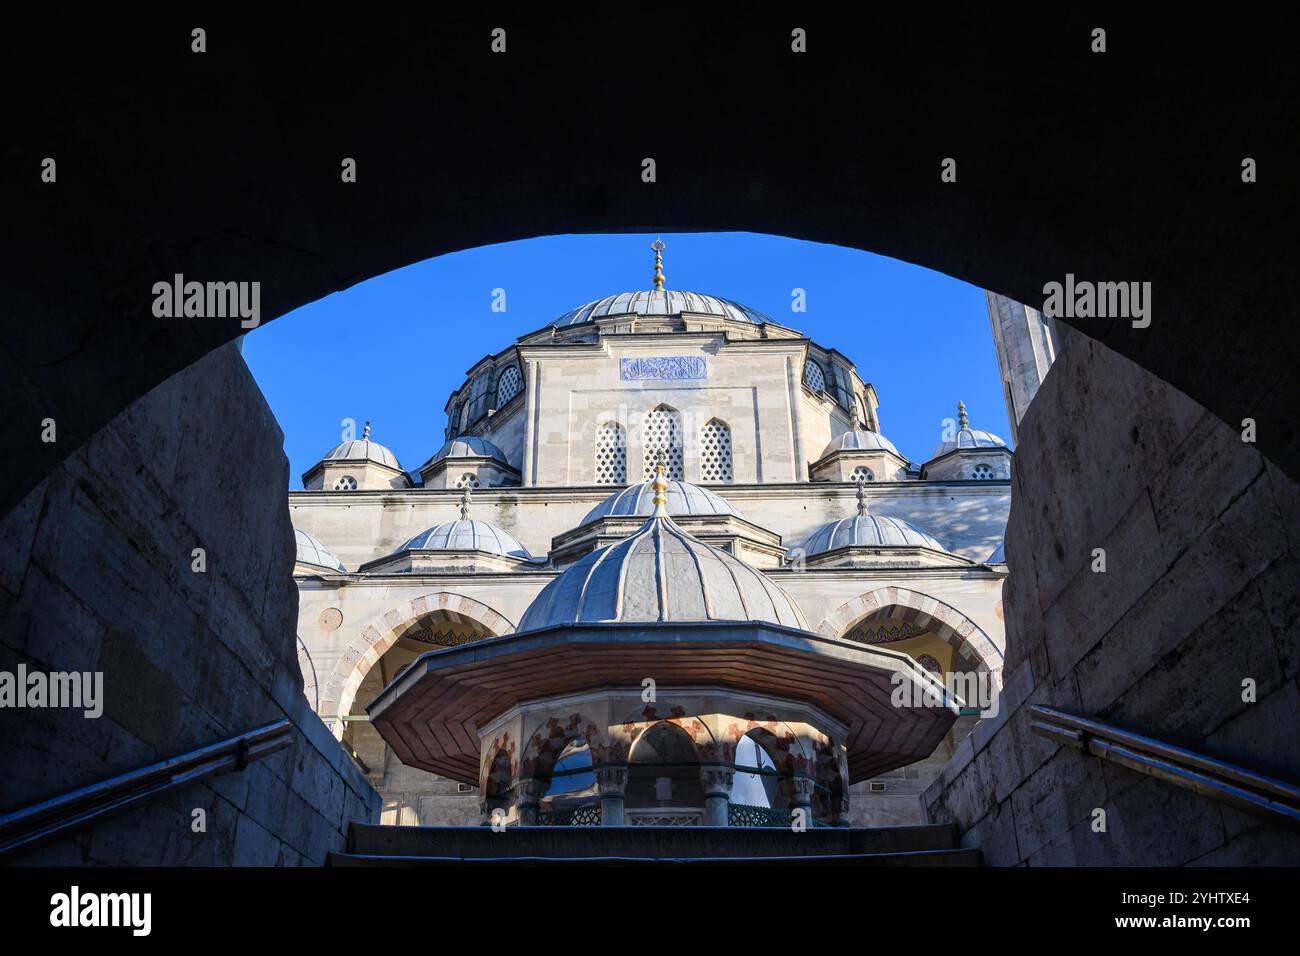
(225, 166)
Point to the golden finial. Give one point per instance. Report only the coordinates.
(862, 499)
(464, 503)
(365, 435)
(658, 246)
(963, 423)
(660, 487)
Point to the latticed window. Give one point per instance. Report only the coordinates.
(345, 483)
(508, 385)
(715, 452)
(863, 473)
(611, 454)
(813, 376)
(982, 472)
(467, 480)
(663, 433)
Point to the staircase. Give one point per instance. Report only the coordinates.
(931, 845)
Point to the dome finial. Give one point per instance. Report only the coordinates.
(658, 246)
(365, 435)
(660, 486)
(464, 503)
(862, 499)
(963, 423)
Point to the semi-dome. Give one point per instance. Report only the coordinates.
(967, 437)
(868, 531)
(468, 446)
(683, 499)
(363, 449)
(660, 574)
(861, 440)
(663, 302)
(311, 551)
(466, 534)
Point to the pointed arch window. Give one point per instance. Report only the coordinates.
(509, 385)
(663, 433)
(814, 377)
(715, 452)
(611, 454)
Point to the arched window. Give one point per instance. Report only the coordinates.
(467, 480)
(813, 376)
(862, 473)
(930, 664)
(572, 775)
(715, 452)
(662, 432)
(758, 785)
(664, 770)
(982, 472)
(509, 385)
(345, 483)
(611, 454)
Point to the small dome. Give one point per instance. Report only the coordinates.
(868, 531)
(967, 437)
(999, 555)
(660, 574)
(311, 551)
(468, 446)
(466, 535)
(363, 449)
(683, 499)
(663, 302)
(861, 441)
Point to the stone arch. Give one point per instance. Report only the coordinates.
(967, 639)
(551, 735)
(364, 651)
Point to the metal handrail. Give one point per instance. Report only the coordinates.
(32, 826)
(1208, 776)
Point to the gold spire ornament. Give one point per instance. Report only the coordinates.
(464, 503)
(658, 246)
(660, 487)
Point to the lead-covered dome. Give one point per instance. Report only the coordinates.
(468, 446)
(683, 499)
(868, 531)
(363, 449)
(466, 534)
(967, 437)
(861, 440)
(660, 574)
(663, 302)
(310, 551)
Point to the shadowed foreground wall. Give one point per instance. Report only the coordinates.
(1200, 592)
(95, 575)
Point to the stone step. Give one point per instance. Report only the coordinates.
(642, 843)
(939, 858)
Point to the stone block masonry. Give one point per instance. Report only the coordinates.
(97, 574)
(1202, 539)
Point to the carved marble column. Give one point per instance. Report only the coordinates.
(717, 794)
(801, 791)
(528, 797)
(840, 809)
(611, 782)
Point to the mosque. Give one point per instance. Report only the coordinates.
(664, 569)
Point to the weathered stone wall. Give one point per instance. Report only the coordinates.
(95, 575)
(1201, 534)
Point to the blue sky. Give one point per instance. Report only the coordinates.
(392, 348)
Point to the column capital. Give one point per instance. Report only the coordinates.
(717, 781)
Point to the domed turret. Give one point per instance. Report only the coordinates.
(661, 302)
(970, 454)
(660, 574)
(860, 455)
(466, 535)
(356, 465)
(468, 461)
(874, 533)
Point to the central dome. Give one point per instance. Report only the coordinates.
(663, 302)
(683, 499)
(660, 574)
